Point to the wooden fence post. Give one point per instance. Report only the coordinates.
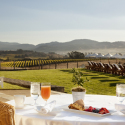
(77, 64)
(14, 64)
(0, 65)
(42, 65)
(49, 65)
(39, 64)
(55, 65)
(67, 65)
(25, 64)
(32, 63)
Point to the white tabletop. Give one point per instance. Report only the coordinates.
(29, 116)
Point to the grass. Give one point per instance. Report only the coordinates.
(8, 86)
(99, 83)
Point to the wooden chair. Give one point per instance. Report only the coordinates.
(120, 69)
(7, 113)
(96, 66)
(90, 66)
(102, 68)
(113, 69)
(121, 66)
(116, 69)
(108, 68)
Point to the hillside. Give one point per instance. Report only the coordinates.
(74, 45)
(15, 46)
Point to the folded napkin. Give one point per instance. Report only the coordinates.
(120, 107)
(48, 108)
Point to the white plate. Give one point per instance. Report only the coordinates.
(88, 113)
(55, 111)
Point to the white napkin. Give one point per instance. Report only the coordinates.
(120, 107)
(48, 108)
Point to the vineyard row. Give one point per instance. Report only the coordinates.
(32, 63)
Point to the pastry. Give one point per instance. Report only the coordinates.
(78, 105)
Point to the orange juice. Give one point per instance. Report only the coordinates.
(45, 92)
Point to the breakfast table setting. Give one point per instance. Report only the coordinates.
(42, 108)
(61, 114)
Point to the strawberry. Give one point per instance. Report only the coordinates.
(100, 111)
(106, 110)
(90, 109)
(86, 109)
(103, 111)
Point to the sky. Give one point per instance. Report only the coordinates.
(44, 21)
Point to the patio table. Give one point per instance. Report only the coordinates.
(29, 116)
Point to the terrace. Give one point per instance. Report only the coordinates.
(102, 86)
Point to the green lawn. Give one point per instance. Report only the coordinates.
(99, 83)
(12, 87)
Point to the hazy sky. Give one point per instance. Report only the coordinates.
(42, 21)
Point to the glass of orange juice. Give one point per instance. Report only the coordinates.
(45, 91)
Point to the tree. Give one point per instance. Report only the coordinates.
(76, 55)
(120, 54)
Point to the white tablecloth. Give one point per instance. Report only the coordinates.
(29, 116)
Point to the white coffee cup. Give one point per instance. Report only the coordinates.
(19, 101)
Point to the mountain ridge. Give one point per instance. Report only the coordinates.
(55, 46)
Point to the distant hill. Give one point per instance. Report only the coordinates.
(74, 45)
(66, 46)
(15, 46)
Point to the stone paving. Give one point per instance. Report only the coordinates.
(6, 95)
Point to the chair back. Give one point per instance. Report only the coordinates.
(121, 66)
(90, 64)
(95, 64)
(7, 113)
(109, 66)
(117, 67)
(101, 64)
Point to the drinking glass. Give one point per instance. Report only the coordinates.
(45, 91)
(120, 92)
(35, 90)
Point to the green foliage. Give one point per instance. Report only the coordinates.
(77, 78)
(76, 55)
(78, 89)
